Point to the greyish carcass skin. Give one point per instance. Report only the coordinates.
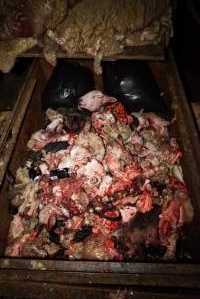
(94, 100)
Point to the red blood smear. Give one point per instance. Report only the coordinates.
(111, 225)
(33, 235)
(178, 185)
(145, 202)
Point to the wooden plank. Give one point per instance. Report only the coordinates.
(196, 111)
(86, 272)
(101, 267)
(94, 279)
(9, 136)
(4, 119)
(148, 52)
(33, 119)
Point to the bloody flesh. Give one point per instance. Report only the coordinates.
(116, 165)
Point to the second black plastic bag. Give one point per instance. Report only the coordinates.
(132, 83)
(68, 82)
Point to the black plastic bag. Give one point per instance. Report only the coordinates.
(132, 83)
(68, 82)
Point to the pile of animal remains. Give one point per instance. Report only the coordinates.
(113, 190)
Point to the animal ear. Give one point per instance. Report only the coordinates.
(99, 94)
(112, 99)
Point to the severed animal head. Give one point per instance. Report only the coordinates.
(143, 229)
(94, 100)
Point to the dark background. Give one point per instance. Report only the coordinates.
(186, 45)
